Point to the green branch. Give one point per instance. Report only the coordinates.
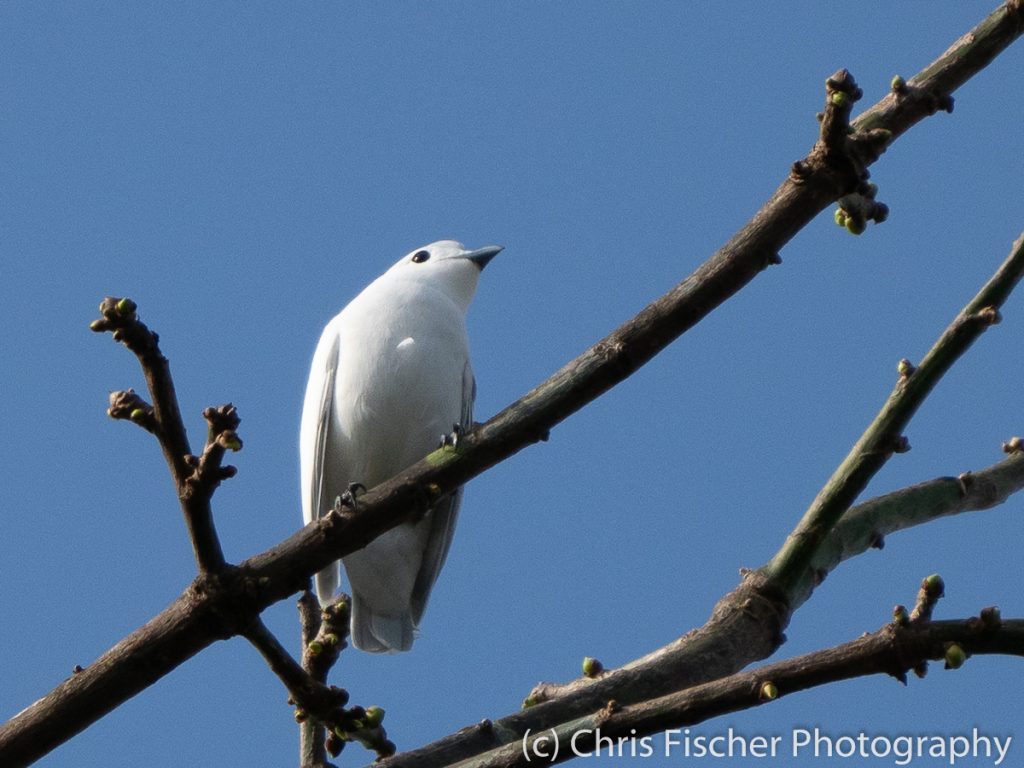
(883, 437)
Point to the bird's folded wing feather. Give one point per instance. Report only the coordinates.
(324, 421)
(443, 516)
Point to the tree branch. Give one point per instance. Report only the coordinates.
(863, 527)
(314, 698)
(866, 525)
(750, 620)
(163, 419)
(883, 436)
(893, 650)
(312, 735)
(212, 609)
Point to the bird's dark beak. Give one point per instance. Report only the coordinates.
(481, 256)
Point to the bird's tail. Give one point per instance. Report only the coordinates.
(327, 584)
(380, 632)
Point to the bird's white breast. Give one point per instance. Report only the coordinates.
(403, 351)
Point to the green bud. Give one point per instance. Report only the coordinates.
(769, 691)
(955, 656)
(528, 702)
(331, 639)
(300, 716)
(839, 99)
(374, 716)
(315, 648)
(840, 217)
(855, 227)
(905, 368)
(934, 585)
(900, 617)
(137, 414)
(898, 84)
(592, 667)
(125, 307)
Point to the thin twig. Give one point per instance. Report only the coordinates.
(324, 635)
(863, 527)
(866, 525)
(315, 699)
(163, 419)
(312, 735)
(883, 436)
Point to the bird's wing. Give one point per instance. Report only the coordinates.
(442, 516)
(323, 432)
(317, 421)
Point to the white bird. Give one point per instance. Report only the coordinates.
(390, 376)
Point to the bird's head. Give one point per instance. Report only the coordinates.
(448, 266)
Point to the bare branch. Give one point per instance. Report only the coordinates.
(163, 419)
(893, 650)
(883, 437)
(866, 525)
(314, 699)
(312, 735)
(750, 620)
(324, 634)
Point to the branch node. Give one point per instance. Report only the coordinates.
(128, 405)
(1013, 445)
(991, 618)
(906, 369)
(965, 480)
(608, 710)
(986, 317)
(932, 590)
(207, 470)
(900, 444)
(800, 170)
(859, 207)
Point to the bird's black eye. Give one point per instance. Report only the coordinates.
(420, 256)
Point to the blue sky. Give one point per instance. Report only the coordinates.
(243, 170)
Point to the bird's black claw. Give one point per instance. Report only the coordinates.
(349, 499)
(451, 440)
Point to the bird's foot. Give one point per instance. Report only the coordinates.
(350, 498)
(451, 440)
